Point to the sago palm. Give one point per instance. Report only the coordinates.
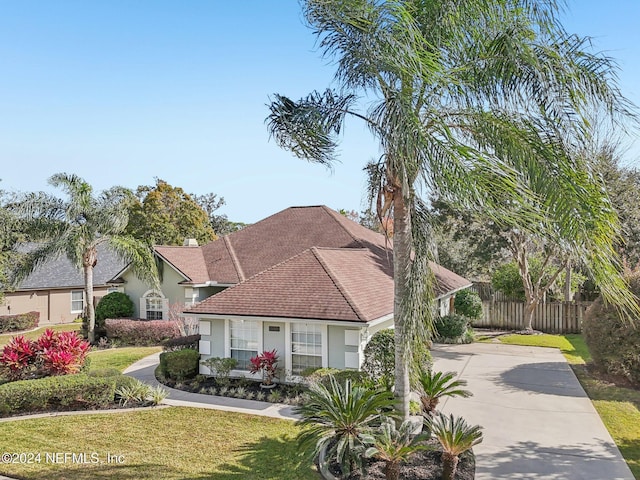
(75, 227)
(433, 386)
(335, 418)
(394, 445)
(456, 436)
(480, 101)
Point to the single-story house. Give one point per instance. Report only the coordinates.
(306, 281)
(56, 288)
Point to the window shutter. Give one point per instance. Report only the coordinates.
(143, 308)
(165, 309)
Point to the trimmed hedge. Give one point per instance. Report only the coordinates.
(173, 344)
(67, 392)
(180, 365)
(614, 343)
(141, 332)
(21, 321)
(112, 305)
(451, 326)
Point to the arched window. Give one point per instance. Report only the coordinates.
(153, 306)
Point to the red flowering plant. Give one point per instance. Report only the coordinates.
(53, 353)
(267, 363)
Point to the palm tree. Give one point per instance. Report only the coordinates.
(456, 437)
(394, 445)
(335, 418)
(478, 101)
(436, 385)
(75, 227)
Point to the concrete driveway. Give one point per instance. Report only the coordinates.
(538, 422)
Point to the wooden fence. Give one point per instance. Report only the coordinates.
(550, 317)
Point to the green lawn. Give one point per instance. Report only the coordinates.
(67, 327)
(119, 358)
(618, 407)
(170, 443)
(572, 346)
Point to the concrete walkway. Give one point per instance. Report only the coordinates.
(538, 422)
(144, 369)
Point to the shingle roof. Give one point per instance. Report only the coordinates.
(303, 262)
(189, 261)
(349, 284)
(60, 273)
(257, 247)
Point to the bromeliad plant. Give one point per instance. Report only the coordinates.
(267, 363)
(53, 353)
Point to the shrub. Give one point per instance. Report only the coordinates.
(56, 393)
(22, 321)
(614, 342)
(180, 365)
(180, 343)
(141, 332)
(265, 363)
(140, 394)
(220, 368)
(468, 303)
(451, 328)
(379, 358)
(112, 305)
(53, 353)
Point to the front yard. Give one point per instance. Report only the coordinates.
(167, 443)
(618, 407)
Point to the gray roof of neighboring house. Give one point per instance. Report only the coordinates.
(60, 273)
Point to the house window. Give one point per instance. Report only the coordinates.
(153, 306)
(306, 347)
(244, 342)
(77, 301)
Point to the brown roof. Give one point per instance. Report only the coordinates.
(303, 262)
(257, 247)
(348, 284)
(446, 280)
(189, 261)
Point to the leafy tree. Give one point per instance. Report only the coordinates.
(75, 227)
(623, 187)
(468, 244)
(166, 215)
(10, 235)
(478, 101)
(220, 223)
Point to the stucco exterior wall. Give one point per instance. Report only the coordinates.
(54, 305)
(211, 341)
(342, 345)
(173, 292)
(343, 355)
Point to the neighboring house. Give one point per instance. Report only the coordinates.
(56, 288)
(306, 281)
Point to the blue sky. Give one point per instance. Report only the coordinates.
(120, 92)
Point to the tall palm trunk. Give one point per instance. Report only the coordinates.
(402, 241)
(89, 260)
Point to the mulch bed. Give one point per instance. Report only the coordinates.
(423, 465)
